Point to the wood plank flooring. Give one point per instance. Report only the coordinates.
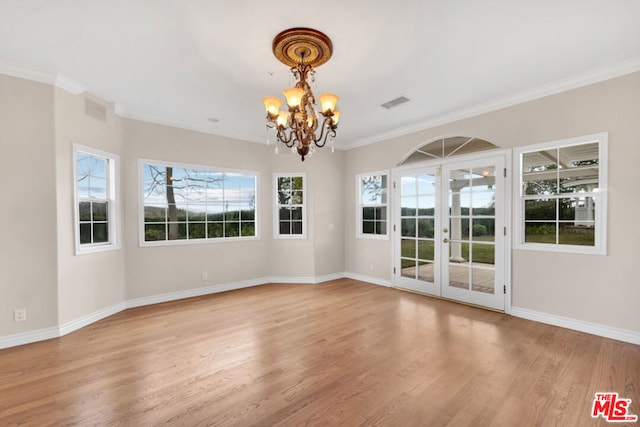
(342, 353)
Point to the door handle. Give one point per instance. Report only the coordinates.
(445, 230)
(445, 240)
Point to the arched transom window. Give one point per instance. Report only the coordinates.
(443, 148)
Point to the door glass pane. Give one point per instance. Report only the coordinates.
(426, 250)
(408, 268)
(483, 229)
(483, 280)
(426, 271)
(458, 276)
(483, 253)
(408, 248)
(426, 184)
(426, 228)
(408, 227)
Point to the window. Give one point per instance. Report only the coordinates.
(372, 205)
(290, 215)
(95, 174)
(561, 200)
(192, 203)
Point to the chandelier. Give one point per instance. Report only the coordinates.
(304, 125)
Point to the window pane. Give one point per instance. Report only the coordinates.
(232, 229)
(297, 198)
(154, 232)
(296, 183)
(285, 227)
(248, 214)
(540, 232)
(381, 213)
(155, 214)
(381, 227)
(85, 211)
(215, 230)
(373, 191)
(296, 213)
(296, 227)
(285, 214)
(580, 210)
(99, 211)
(540, 209)
(85, 233)
(540, 161)
(100, 233)
(368, 227)
(368, 213)
(197, 230)
(98, 187)
(248, 229)
(576, 235)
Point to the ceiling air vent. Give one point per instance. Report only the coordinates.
(395, 102)
(95, 110)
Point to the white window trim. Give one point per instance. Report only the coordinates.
(359, 206)
(276, 211)
(143, 243)
(113, 198)
(600, 246)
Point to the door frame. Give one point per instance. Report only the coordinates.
(508, 211)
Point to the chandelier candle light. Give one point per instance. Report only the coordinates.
(302, 49)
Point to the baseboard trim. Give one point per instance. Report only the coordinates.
(305, 280)
(369, 279)
(90, 318)
(578, 325)
(190, 293)
(29, 337)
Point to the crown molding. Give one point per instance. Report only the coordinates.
(69, 85)
(22, 71)
(594, 76)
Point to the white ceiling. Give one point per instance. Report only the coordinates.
(182, 62)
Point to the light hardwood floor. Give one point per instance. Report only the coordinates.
(340, 353)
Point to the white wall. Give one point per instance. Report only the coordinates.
(598, 289)
(90, 282)
(28, 206)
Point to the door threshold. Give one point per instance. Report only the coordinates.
(448, 299)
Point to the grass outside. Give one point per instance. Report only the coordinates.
(481, 253)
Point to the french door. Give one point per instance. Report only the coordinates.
(449, 237)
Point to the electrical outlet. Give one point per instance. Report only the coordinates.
(20, 314)
(205, 275)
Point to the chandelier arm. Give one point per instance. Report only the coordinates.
(322, 134)
(282, 137)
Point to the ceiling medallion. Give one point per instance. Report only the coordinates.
(299, 126)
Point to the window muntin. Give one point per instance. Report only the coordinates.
(372, 210)
(194, 203)
(290, 215)
(95, 199)
(562, 196)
